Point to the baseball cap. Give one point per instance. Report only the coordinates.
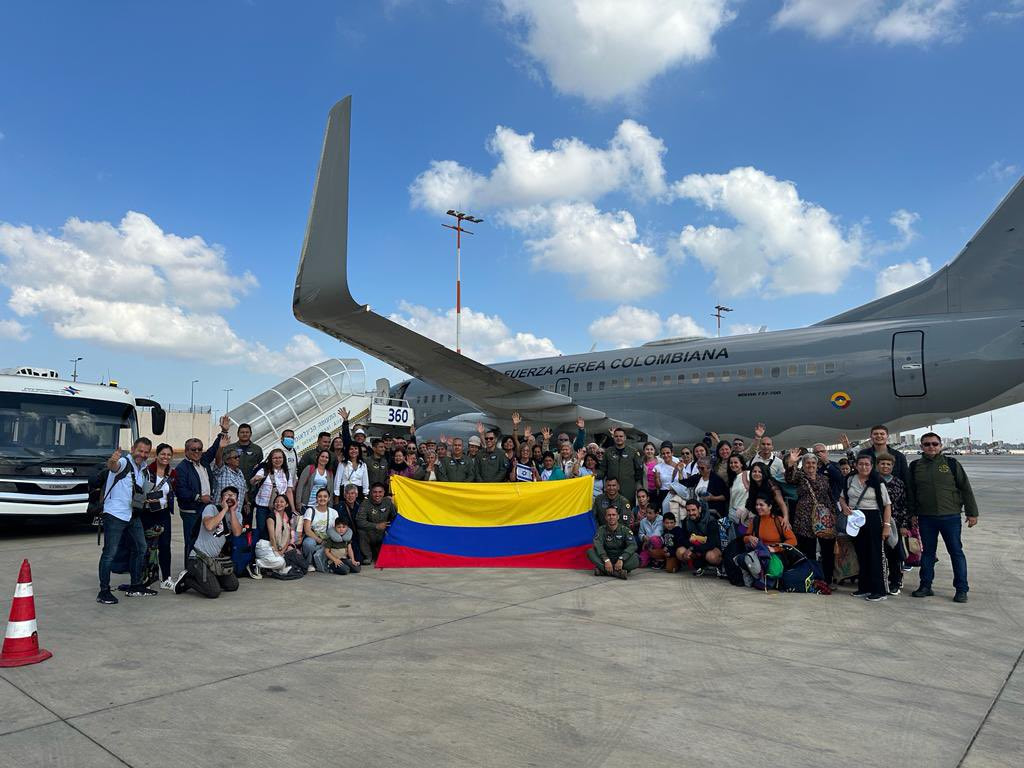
(359, 431)
(854, 522)
(474, 440)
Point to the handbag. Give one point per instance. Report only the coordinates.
(823, 519)
(218, 566)
(911, 545)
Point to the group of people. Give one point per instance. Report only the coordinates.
(748, 513)
(793, 519)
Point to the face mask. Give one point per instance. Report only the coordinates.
(288, 442)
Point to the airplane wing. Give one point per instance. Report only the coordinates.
(322, 300)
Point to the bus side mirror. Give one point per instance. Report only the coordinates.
(159, 418)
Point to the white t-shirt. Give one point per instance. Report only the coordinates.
(349, 474)
(280, 481)
(317, 481)
(664, 472)
(702, 486)
(320, 521)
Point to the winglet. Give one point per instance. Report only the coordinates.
(321, 284)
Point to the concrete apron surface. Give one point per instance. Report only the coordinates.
(523, 668)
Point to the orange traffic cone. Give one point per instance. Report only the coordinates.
(21, 643)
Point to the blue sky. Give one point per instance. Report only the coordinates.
(776, 156)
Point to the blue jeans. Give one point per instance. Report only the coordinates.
(948, 526)
(262, 515)
(309, 548)
(113, 529)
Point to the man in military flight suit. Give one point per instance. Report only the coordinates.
(377, 465)
(456, 468)
(611, 499)
(372, 520)
(614, 550)
(624, 463)
(491, 462)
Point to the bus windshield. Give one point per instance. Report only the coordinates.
(38, 426)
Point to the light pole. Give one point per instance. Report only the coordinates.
(74, 373)
(459, 217)
(192, 404)
(718, 313)
(227, 395)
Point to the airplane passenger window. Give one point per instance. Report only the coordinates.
(709, 377)
(654, 381)
(725, 375)
(600, 386)
(590, 386)
(741, 374)
(667, 380)
(791, 371)
(695, 378)
(758, 373)
(682, 378)
(625, 383)
(613, 383)
(830, 367)
(433, 398)
(776, 372)
(811, 369)
(639, 381)
(575, 386)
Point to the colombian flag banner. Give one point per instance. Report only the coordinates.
(490, 525)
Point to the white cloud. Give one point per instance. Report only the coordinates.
(1000, 170)
(570, 170)
(919, 21)
(628, 326)
(903, 222)
(484, 337)
(1013, 9)
(781, 244)
(899, 276)
(600, 250)
(13, 330)
(888, 21)
(825, 18)
(137, 287)
(606, 49)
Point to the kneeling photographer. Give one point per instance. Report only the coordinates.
(208, 571)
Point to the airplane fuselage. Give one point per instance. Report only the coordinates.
(806, 384)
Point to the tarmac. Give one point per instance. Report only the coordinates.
(523, 668)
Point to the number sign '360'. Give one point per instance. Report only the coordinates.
(381, 413)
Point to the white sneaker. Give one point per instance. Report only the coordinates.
(311, 569)
(167, 583)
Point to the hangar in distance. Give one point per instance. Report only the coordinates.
(950, 346)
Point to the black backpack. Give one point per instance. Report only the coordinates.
(98, 487)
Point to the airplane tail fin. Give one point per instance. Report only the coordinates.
(987, 274)
(321, 284)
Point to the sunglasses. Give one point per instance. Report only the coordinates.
(931, 443)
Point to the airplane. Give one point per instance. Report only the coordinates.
(950, 346)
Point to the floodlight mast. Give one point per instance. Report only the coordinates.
(459, 217)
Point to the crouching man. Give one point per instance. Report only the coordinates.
(702, 543)
(207, 570)
(614, 550)
(372, 521)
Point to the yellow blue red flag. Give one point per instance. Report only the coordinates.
(490, 525)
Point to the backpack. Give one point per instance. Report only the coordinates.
(98, 490)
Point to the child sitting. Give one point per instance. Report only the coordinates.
(649, 535)
(337, 550)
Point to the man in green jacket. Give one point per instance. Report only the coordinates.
(611, 499)
(614, 550)
(938, 491)
(624, 463)
(491, 463)
(457, 468)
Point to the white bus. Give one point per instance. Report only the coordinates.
(53, 435)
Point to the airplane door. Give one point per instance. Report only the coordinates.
(562, 387)
(908, 364)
